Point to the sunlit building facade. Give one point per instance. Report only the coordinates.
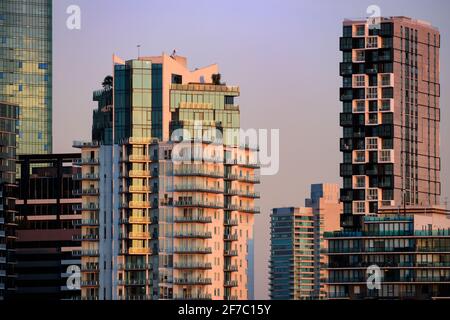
(176, 200)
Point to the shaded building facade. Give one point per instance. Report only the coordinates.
(48, 227)
(8, 191)
(410, 247)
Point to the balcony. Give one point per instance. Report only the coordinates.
(86, 161)
(139, 235)
(192, 250)
(85, 237)
(230, 237)
(192, 265)
(230, 268)
(195, 296)
(192, 281)
(133, 251)
(86, 176)
(133, 266)
(230, 222)
(89, 283)
(198, 203)
(139, 173)
(86, 253)
(193, 219)
(135, 297)
(230, 253)
(245, 194)
(230, 283)
(85, 144)
(85, 207)
(133, 282)
(86, 192)
(90, 267)
(192, 234)
(197, 172)
(196, 188)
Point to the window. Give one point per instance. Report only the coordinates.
(372, 42)
(360, 182)
(372, 143)
(359, 80)
(359, 56)
(385, 79)
(360, 156)
(385, 105)
(43, 66)
(372, 93)
(359, 207)
(385, 156)
(360, 30)
(372, 194)
(360, 106)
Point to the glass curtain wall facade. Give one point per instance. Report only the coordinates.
(26, 70)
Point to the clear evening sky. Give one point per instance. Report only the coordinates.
(283, 54)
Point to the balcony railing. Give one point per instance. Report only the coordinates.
(193, 219)
(198, 203)
(198, 296)
(192, 250)
(192, 281)
(192, 265)
(192, 234)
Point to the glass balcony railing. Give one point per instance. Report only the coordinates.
(192, 250)
(192, 265)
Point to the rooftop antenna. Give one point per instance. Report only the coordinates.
(139, 50)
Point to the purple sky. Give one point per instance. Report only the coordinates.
(283, 54)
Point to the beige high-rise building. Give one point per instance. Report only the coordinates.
(167, 218)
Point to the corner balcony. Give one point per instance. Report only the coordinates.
(192, 235)
(192, 265)
(192, 250)
(192, 281)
